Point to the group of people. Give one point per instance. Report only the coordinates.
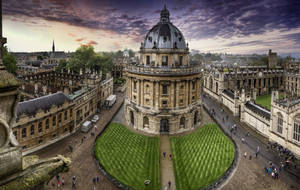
(272, 170)
(60, 182)
(165, 154)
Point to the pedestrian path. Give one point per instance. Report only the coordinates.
(166, 163)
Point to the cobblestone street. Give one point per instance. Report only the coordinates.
(83, 164)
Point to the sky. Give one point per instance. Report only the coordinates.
(216, 26)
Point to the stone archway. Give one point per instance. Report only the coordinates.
(164, 126)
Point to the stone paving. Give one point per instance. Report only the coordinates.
(83, 164)
(166, 163)
(250, 174)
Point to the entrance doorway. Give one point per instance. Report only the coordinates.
(164, 126)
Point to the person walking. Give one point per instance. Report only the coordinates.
(63, 181)
(97, 179)
(74, 184)
(70, 148)
(245, 154)
(164, 154)
(170, 156)
(257, 151)
(169, 183)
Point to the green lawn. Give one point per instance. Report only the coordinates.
(202, 157)
(130, 158)
(265, 100)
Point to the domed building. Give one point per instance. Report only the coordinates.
(163, 93)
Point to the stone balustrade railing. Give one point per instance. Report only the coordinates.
(149, 70)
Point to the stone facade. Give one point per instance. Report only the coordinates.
(163, 89)
(237, 88)
(45, 125)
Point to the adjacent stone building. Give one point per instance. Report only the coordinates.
(52, 116)
(163, 88)
(237, 88)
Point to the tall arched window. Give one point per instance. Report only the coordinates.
(279, 123)
(24, 132)
(47, 124)
(182, 122)
(40, 127)
(131, 118)
(217, 87)
(32, 130)
(210, 83)
(196, 117)
(145, 122)
(296, 132)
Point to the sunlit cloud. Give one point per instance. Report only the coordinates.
(210, 26)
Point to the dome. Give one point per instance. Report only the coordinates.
(164, 34)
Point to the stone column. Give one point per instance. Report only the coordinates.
(139, 91)
(187, 92)
(153, 93)
(142, 92)
(172, 93)
(156, 94)
(177, 93)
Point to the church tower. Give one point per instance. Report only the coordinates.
(53, 47)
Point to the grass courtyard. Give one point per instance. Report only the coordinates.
(130, 158)
(202, 157)
(265, 100)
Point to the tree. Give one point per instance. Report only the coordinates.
(82, 58)
(62, 65)
(85, 57)
(9, 61)
(131, 53)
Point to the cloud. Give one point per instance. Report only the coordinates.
(79, 39)
(197, 19)
(92, 43)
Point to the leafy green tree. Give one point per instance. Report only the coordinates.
(9, 61)
(85, 57)
(62, 65)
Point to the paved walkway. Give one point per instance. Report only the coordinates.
(250, 173)
(83, 164)
(166, 163)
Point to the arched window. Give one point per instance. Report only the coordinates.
(32, 130)
(279, 123)
(24, 132)
(217, 87)
(131, 118)
(196, 117)
(210, 83)
(54, 120)
(182, 122)
(296, 133)
(47, 124)
(145, 122)
(40, 127)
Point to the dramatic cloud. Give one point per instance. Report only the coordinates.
(231, 23)
(92, 43)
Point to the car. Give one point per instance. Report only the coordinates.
(86, 126)
(95, 118)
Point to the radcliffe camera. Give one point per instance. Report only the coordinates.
(149, 95)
